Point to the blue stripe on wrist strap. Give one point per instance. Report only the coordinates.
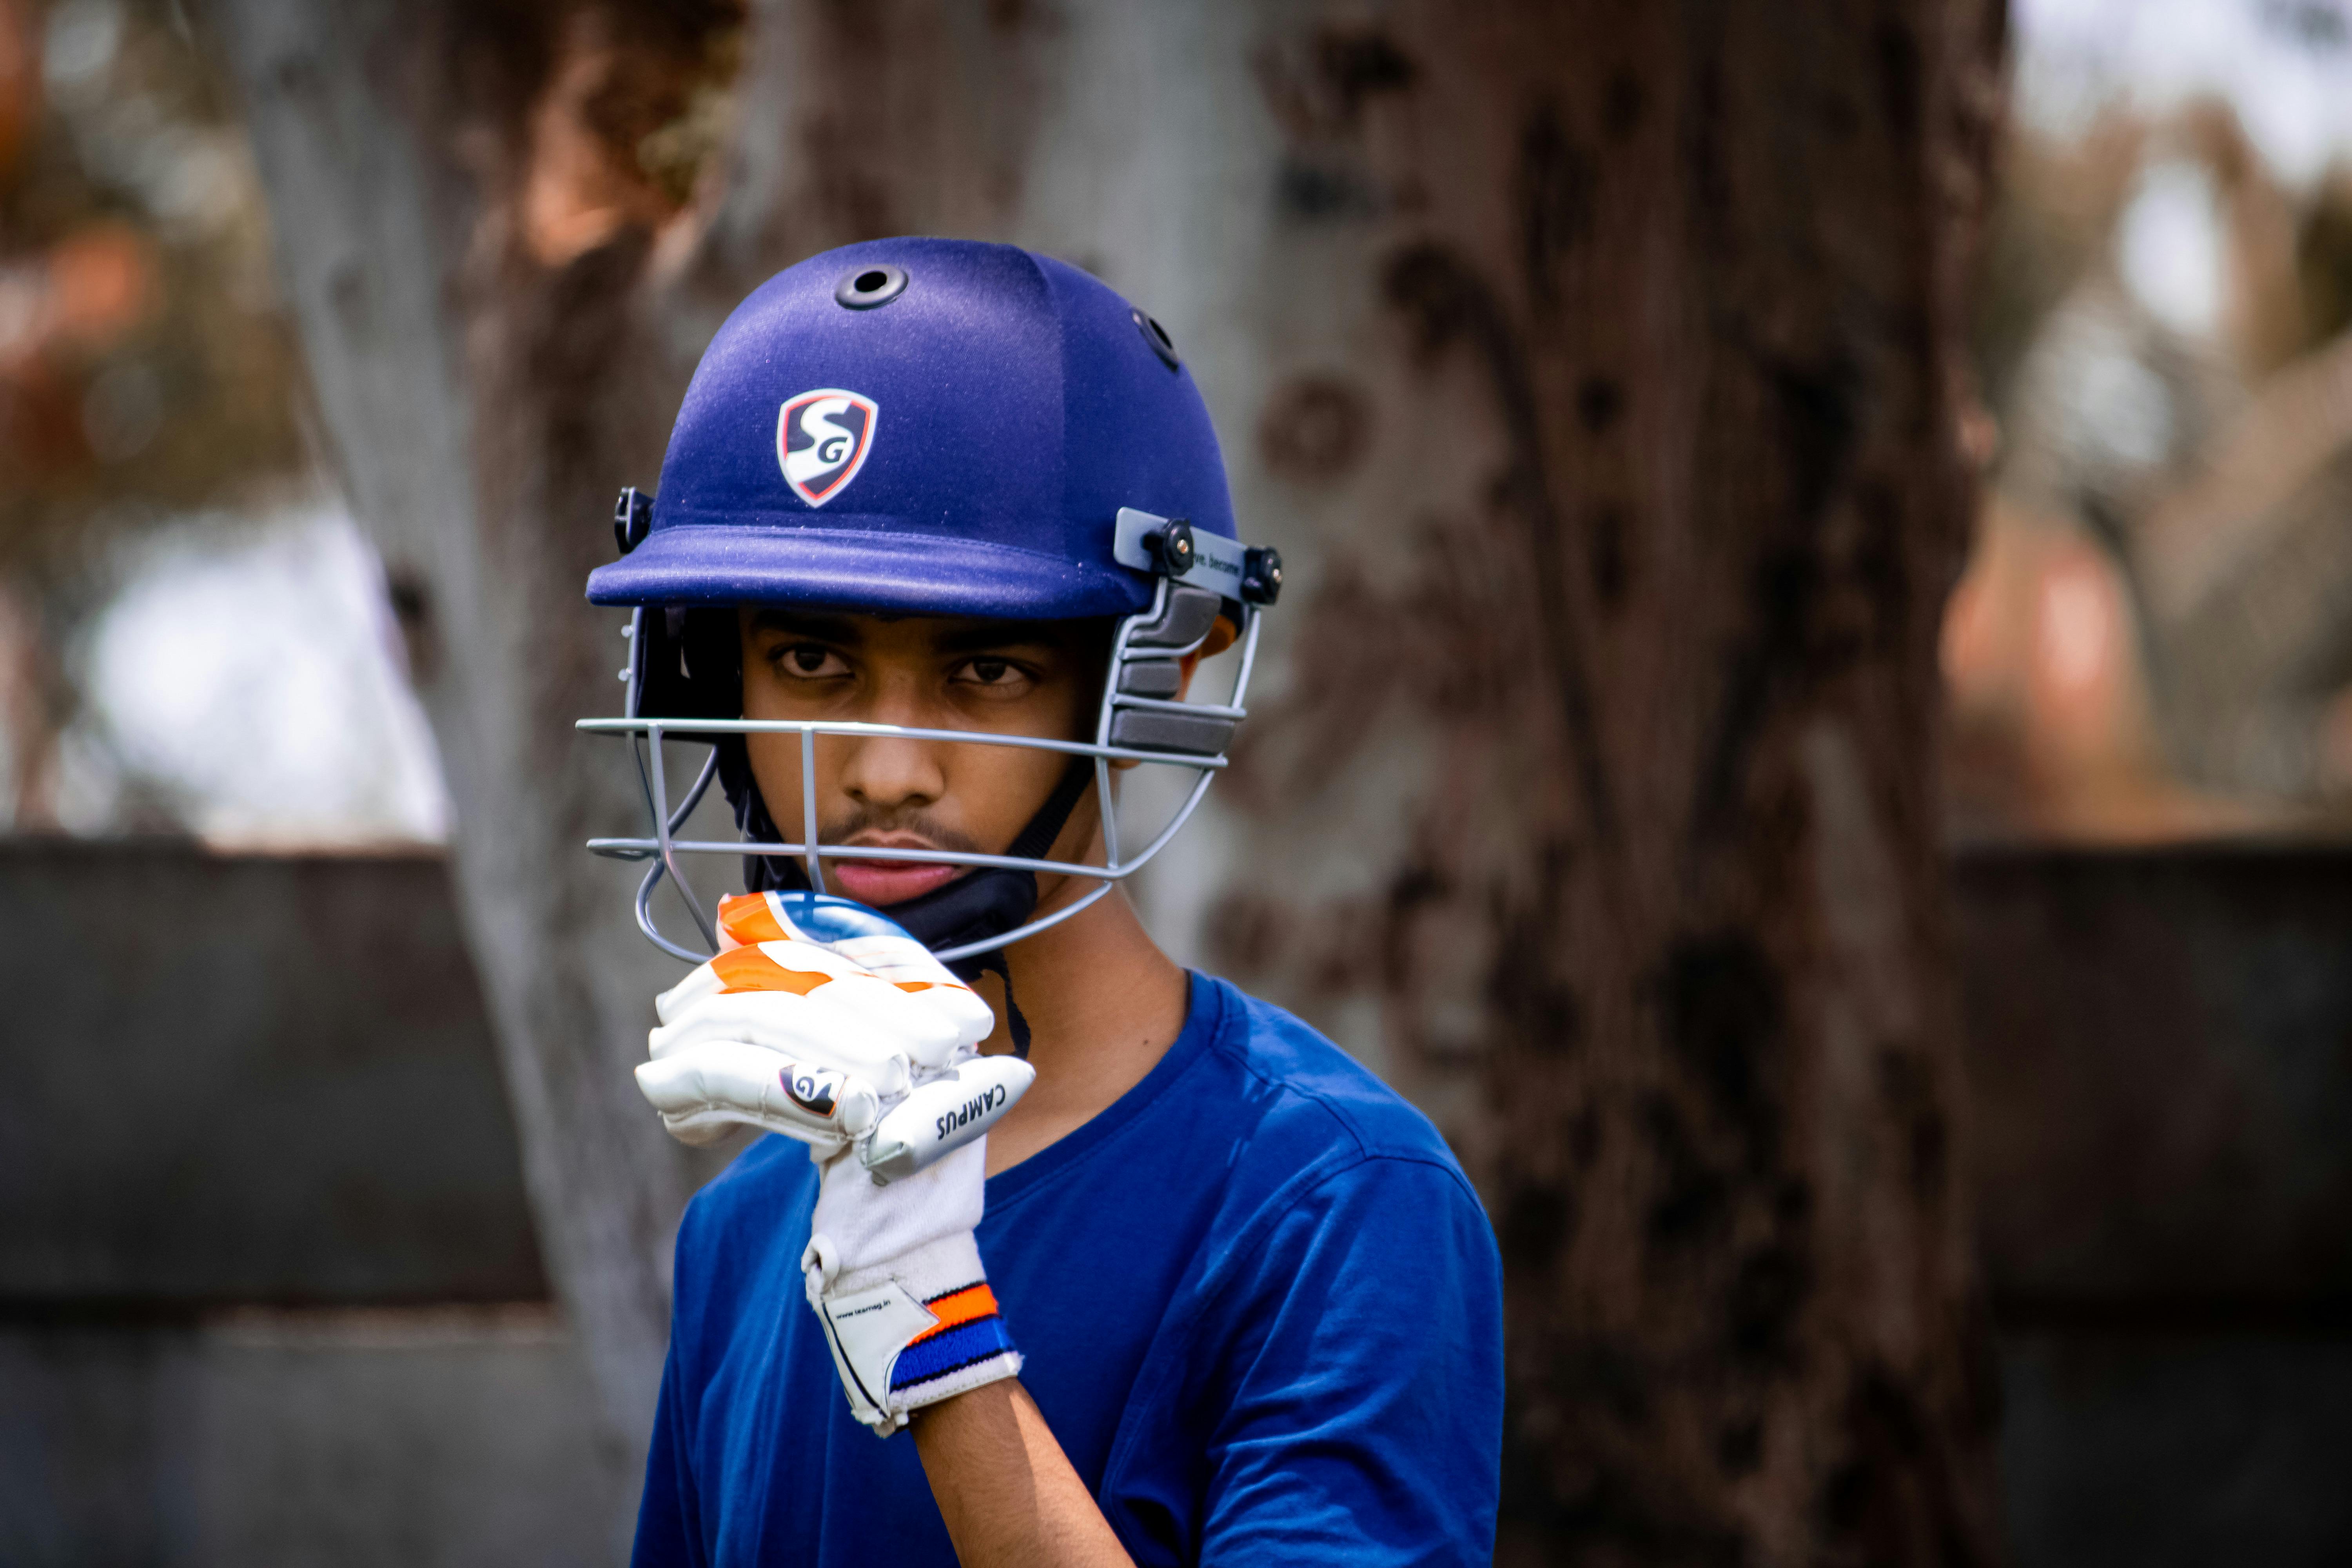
(940, 1353)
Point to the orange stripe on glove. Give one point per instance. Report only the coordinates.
(749, 919)
(741, 969)
(973, 1302)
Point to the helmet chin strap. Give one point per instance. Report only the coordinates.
(985, 901)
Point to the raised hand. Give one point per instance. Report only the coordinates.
(823, 1021)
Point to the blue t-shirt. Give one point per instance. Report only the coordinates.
(1261, 1310)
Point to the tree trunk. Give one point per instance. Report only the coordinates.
(1592, 363)
(486, 381)
(1601, 808)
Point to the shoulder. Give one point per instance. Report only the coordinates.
(770, 1177)
(1323, 1159)
(771, 1169)
(1310, 1103)
(1351, 1253)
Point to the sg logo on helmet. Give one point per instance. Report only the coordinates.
(821, 439)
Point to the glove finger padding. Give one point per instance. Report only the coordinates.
(742, 1033)
(799, 967)
(795, 997)
(840, 925)
(820, 1033)
(944, 1113)
(704, 1091)
(858, 935)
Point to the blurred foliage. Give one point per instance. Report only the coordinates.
(2154, 636)
(2323, 259)
(2047, 231)
(144, 367)
(149, 378)
(693, 119)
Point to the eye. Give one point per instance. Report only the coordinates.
(811, 661)
(994, 674)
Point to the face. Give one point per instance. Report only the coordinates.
(1006, 677)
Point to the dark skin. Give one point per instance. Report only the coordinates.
(1103, 1003)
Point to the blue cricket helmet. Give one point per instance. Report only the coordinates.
(931, 427)
(925, 426)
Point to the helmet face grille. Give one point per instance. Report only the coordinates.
(869, 286)
(682, 679)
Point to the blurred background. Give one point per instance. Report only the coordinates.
(226, 818)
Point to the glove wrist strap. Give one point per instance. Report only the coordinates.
(911, 1332)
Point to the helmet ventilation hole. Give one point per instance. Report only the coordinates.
(868, 287)
(1157, 336)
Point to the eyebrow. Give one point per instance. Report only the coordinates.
(803, 624)
(991, 636)
(967, 638)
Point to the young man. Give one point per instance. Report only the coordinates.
(1207, 1291)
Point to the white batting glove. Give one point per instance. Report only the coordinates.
(823, 1021)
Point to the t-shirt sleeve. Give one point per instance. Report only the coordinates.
(1360, 1412)
(669, 1510)
(666, 1532)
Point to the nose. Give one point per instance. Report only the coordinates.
(889, 772)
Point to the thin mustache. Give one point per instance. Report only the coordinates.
(937, 835)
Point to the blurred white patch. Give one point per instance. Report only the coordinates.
(251, 681)
(192, 180)
(2107, 407)
(2170, 246)
(2283, 65)
(2077, 630)
(2126, 410)
(23, 293)
(79, 43)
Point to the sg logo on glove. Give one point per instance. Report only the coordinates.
(813, 1089)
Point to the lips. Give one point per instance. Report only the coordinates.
(884, 882)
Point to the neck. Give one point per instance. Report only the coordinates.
(1103, 1005)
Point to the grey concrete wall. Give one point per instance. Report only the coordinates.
(254, 1160)
(248, 1079)
(2161, 1056)
(2179, 1448)
(390, 1439)
(253, 1134)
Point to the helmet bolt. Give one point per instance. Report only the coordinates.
(1173, 548)
(1262, 575)
(632, 518)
